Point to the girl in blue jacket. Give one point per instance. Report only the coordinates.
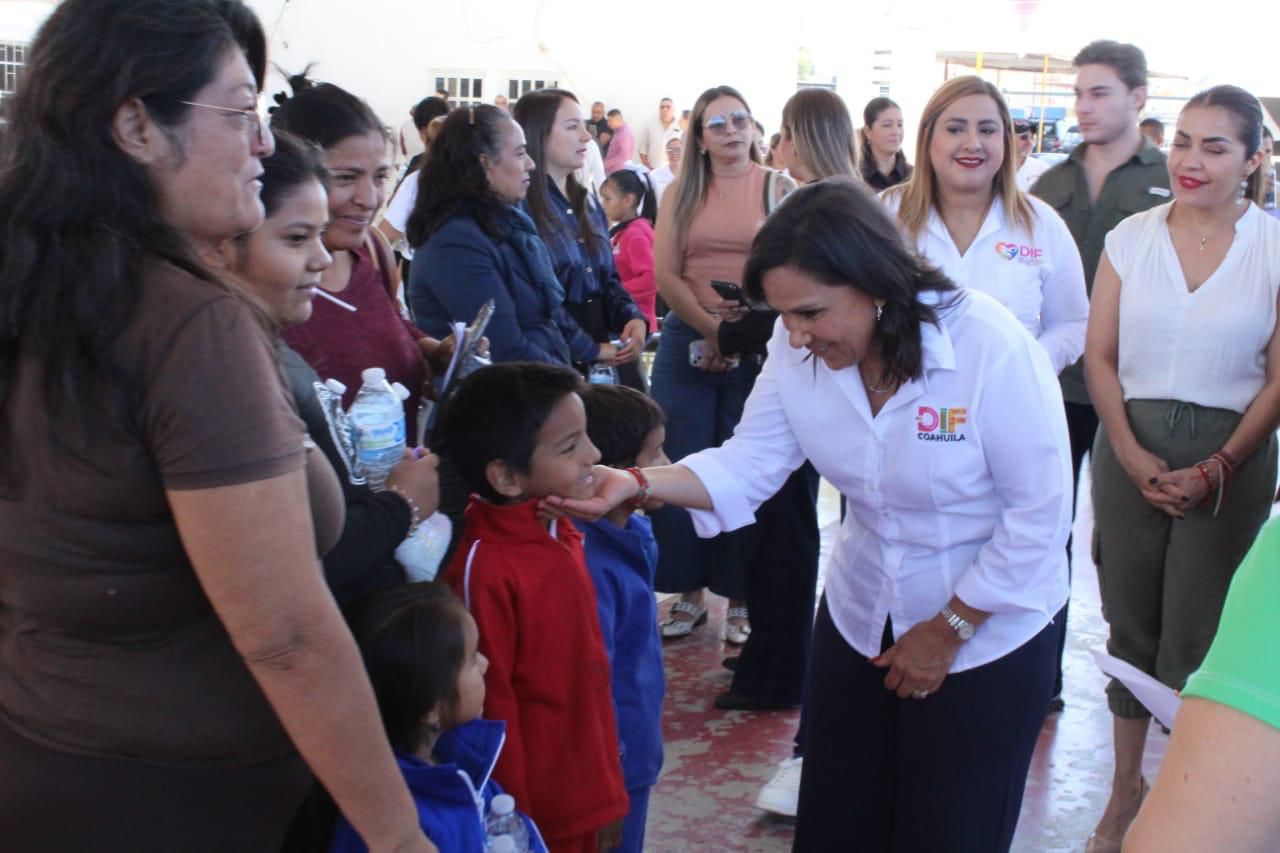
(419, 645)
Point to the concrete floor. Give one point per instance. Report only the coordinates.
(716, 761)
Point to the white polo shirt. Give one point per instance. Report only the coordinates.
(1037, 276)
(400, 208)
(960, 485)
(1030, 171)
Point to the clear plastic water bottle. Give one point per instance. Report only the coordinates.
(603, 374)
(423, 551)
(503, 820)
(502, 844)
(377, 425)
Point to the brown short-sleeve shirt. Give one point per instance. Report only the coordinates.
(108, 645)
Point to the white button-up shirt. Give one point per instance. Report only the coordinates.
(960, 485)
(1037, 276)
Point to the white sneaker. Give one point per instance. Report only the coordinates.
(781, 794)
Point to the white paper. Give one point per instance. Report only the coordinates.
(459, 338)
(1161, 701)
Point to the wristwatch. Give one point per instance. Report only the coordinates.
(963, 627)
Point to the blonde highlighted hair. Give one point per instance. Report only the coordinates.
(919, 195)
(819, 122)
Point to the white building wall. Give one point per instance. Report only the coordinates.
(389, 53)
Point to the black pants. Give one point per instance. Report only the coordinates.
(781, 575)
(907, 775)
(1082, 426)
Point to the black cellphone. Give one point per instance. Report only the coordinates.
(729, 291)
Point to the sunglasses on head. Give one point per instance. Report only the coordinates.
(719, 124)
(1021, 128)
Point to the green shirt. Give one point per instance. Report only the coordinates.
(1141, 182)
(1242, 669)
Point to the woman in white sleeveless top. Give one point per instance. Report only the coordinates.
(1183, 365)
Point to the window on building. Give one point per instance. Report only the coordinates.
(12, 57)
(465, 88)
(517, 86)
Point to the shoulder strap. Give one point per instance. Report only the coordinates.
(384, 262)
(769, 193)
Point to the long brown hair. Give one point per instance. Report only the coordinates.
(819, 122)
(536, 113)
(694, 180)
(919, 194)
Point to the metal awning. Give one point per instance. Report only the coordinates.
(996, 60)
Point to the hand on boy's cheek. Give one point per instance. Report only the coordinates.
(547, 512)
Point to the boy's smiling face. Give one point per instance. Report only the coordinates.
(563, 457)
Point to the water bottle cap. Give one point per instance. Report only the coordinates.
(503, 804)
(335, 386)
(373, 375)
(401, 391)
(502, 844)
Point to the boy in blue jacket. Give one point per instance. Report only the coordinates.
(420, 647)
(628, 428)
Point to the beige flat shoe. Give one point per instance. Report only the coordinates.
(1101, 844)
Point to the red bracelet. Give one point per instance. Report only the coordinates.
(1208, 481)
(645, 491)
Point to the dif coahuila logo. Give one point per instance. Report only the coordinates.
(940, 424)
(1020, 253)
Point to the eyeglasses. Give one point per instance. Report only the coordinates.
(719, 124)
(251, 120)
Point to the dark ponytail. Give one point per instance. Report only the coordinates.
(637, 183)
(323, 113)
(1247, 113)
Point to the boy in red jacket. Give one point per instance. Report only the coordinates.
(518, 432)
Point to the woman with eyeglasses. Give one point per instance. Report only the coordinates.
(963, 209)
(358, 322)
(173, 668)
(706, 223)
(883, 163)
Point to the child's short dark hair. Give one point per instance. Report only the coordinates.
(619, 419)
(495, 415)
(413, 641)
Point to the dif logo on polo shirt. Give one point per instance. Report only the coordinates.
(1020, 253)
(940, 424)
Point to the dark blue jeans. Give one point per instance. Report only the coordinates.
(702, 410)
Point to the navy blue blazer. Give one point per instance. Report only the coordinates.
(459, 268)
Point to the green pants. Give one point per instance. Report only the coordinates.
(1163, 580)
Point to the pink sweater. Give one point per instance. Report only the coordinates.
(633, 256)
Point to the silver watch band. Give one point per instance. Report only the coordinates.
(958, 623)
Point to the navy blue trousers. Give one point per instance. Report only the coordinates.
(781, 560)
(907, 775)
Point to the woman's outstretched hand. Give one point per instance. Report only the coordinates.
(610, 487)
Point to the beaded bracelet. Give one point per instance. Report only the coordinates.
(415, 512)
(645, 492)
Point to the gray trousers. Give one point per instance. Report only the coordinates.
(1163, 580)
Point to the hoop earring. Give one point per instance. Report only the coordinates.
(1244, 188)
